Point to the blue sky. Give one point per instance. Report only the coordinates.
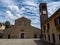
(10, 10)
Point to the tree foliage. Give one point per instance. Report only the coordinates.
(7, 24)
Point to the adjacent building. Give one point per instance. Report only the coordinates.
(2, 27)
(21, 29)
(50, 27)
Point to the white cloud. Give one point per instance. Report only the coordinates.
(33, 8)
(22, 8)
(47, 1)
(18, 15)
(14, 11)
(52, 7)
(1, 13)
(1, 20)
(10, 15)
(7, 2)
(30, 2)
(13, 8)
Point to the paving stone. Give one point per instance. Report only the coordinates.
(23, 42)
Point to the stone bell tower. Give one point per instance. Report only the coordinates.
(43, 12)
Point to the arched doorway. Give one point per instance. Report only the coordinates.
(22, 35)
(9, 36)
(1, 35)
(35, 36)
(53, 36)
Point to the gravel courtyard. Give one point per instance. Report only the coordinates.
(23, 42)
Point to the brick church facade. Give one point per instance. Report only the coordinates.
(21, 29)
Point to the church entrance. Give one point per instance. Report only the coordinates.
(9, 36)
(22, 35)
(35, 36)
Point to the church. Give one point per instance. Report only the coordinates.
(22, 29)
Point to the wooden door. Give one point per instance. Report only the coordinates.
(22, 35)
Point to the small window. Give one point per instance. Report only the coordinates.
(57, 21)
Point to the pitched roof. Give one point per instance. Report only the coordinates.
(23, 18)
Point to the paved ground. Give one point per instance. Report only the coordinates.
(23, 42)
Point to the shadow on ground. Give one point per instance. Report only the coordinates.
(41, 42)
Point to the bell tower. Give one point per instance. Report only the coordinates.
(43, 12)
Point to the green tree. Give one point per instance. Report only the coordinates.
(7, 24)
